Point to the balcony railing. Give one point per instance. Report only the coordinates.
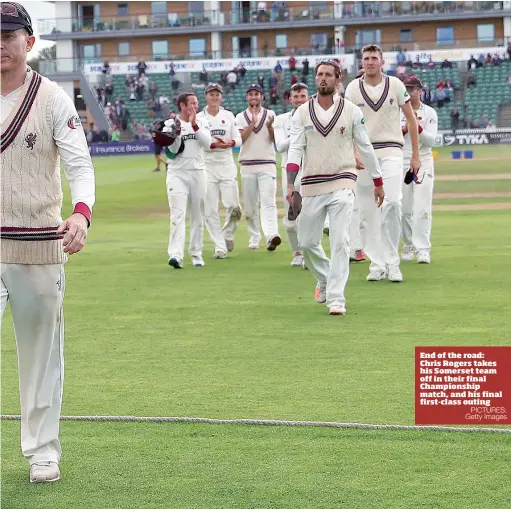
(349, 10)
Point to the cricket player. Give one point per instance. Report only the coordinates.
(381, 99)
(258, 169)
(40, 126)
(282, 128)
(221, 171)
(418, 195)
(322, 135)
(186, 182)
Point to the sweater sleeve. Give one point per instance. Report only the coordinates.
(72, 146)
(428, 133)
(281, 138)
(297, 142)
(365, 148)
(202, 132)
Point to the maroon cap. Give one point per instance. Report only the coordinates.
(412, 82)
(14, 16)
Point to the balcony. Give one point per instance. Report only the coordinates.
(347, 13)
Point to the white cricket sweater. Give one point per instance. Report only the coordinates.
(324, 139)
(257, 154)
(381, 107)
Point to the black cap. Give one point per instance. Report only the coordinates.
(256, 87)
(14, 16)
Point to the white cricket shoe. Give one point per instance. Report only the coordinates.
(320, 293)
(273, 242)
(408, 254)
(229, 244)
(423, 256)
(44, 471)
(220, 255)
(198, 261)
(376, 275)
(297, 260)
(394, 273)
(337, 310)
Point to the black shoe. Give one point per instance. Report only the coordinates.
(156, 169)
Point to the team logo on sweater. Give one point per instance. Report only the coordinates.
(341, 130)
(218, 132)
(74, 122)
(30, 140)
(391, 102)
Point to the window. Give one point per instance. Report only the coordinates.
(159, 13)
(319, 42)
(123, 49)
(79, 102)
(281, 41)
(444, 35)
(91, 52)
(160, 49)
(196, 9)
(486, 33)
(405, 35)
(122, 10)
(363, 37)
(197, 47)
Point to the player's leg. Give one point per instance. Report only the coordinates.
(251, 204)
(407, 254)
(178, 189)
(356, 252)
(423, 214)
(391, 210)
(36, 294)
(230, 197)
(197, 199)
(370, 226)
(340, 209)
(269, 214)
(157, 154)
(211, 217)
(310, 233)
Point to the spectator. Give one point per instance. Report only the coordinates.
(115, 134)
(243, 71)
(292, 63)
(455, 119)
(260, 80)
(105, 71)
(496, 60)
(487, 59)
(203, 78)
(175, 85)
(426, 95)
(278, 68)
(446, 64)
(274, 80)
(172, 71)
(469, 124)
(471, 81)
(401, 58)
(127, 83)
(440, 96)
(123, 115)
(431, 64)
(472, 63)
(273, 96)
(141, 68)
(484, 121)
(232, 79)
(133, 91)
(165, 109)
(417, 65)
(109, 91)
(305, 68)
(140, 89)
(481, 60)
(294, 79)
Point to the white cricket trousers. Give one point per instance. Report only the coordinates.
(380, 228)
(418, 208)
(225, 189)
(260, 189)
(355, 238)
(36, 294)
(186, 187)
(338, 206)
(290, 227)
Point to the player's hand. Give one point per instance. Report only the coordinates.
(223, 144)
(359, 165)
(75, 227)
(415, 163)
(192, 115)
(270, 121)
(290, 191)
(379, 195)
(254, 115)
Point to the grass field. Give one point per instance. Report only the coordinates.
(243, 338)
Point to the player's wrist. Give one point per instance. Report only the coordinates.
(195, 127)
(82, 209)
(378, 182)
